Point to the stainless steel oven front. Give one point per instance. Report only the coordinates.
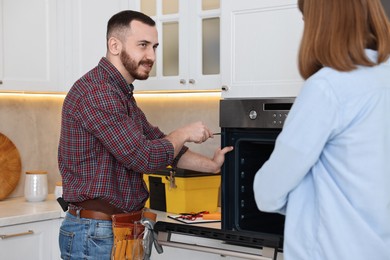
(251, 126)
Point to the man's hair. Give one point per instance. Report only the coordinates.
(120, 22)
(336, 33)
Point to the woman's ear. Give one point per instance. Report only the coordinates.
(114, 46)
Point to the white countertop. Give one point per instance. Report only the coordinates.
(19, 211)
(15, 211)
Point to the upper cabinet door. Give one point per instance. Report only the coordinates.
(28, 40)
(84, 25)
(188, 57)
(260, 50)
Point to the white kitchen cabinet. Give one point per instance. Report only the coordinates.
(46, 45)
(35, 240)
(28, 45)
(84, 26)
(259, 55)
(188, 57)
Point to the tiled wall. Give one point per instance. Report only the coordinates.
(32, 122)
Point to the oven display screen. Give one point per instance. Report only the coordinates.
(277, 106)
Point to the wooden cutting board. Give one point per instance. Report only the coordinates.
(10, 166)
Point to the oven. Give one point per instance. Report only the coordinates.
(251, 126)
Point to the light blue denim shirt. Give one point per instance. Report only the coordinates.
(330, 169)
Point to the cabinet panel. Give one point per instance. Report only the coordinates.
(204, 74)
(263, 61)
(170, 33)
(85, 30)
(28, 40)
(38, 240)
(189, 61)
(210, 46)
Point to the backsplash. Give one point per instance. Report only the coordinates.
(32, 122)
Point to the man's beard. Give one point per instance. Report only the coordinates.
(132, 66)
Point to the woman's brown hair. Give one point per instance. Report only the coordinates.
(336, 33)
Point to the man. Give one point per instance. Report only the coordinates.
(107, 144)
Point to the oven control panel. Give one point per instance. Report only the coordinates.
(278, 118)
(254, 113)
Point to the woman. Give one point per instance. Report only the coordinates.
(334, 182)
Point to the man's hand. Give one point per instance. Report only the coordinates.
(198, 162)
(219, 156)
(196, 132)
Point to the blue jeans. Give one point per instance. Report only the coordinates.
(82, 238)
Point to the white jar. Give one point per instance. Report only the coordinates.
(35, 186)
(58, 189)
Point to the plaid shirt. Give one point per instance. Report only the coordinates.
(106, 142)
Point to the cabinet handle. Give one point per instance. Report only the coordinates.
(1, 82)
(225, 88)
(183, 81)
(191, 81)
(30, 232)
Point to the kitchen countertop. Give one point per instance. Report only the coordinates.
(16, 211)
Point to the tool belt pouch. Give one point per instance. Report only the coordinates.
(128, 236)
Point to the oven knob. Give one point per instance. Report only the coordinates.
(253, 114)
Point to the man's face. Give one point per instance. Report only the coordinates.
(139, 50)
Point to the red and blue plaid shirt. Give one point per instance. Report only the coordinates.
(106, 142)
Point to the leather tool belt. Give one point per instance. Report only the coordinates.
(128, 235)
(127, 227)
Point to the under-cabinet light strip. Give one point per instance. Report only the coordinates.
(136, 94)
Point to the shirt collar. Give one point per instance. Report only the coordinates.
(372, 55)
(131, 88)
(116, 77)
